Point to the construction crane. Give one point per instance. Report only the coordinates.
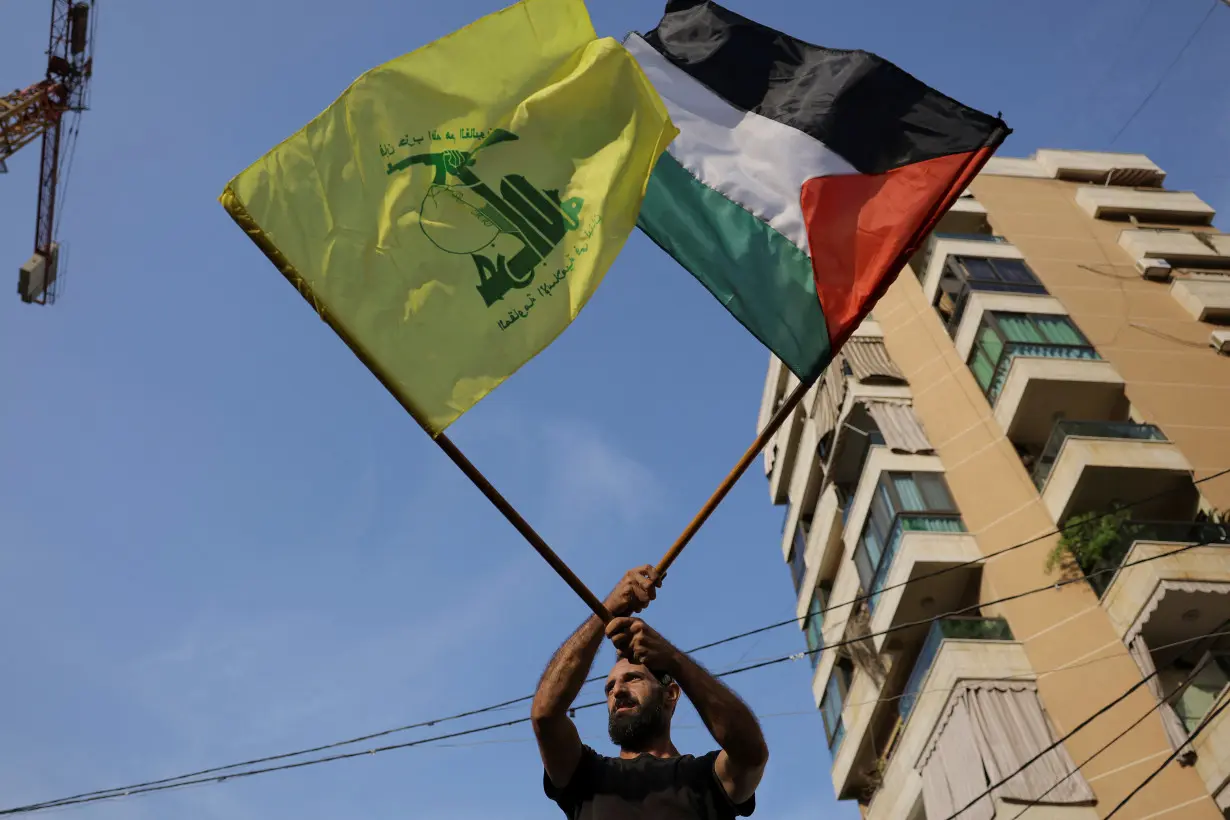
(51, 108)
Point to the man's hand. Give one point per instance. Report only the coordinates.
(633, 592)
(640, 643)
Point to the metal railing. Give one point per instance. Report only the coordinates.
(1032, 350)
(1125, 430)
(976, 237)
(965, 629)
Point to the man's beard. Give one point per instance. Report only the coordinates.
(636, 729)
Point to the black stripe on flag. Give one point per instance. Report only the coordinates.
(868, 110)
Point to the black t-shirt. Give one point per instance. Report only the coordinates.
(646, 788)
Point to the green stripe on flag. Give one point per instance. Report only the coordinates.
(759, 275)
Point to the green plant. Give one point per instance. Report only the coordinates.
(1092, 537)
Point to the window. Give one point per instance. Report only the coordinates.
(833, 701)
(962, 274)
(896, 494)
(995, 274)
(813, 626)
(798, 554)
(1032, 334)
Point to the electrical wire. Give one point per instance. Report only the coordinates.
(215, 776)
(1208, 718)
(1055, 745)
(952, 567)
(1166, 73)
(1037, 800)
(1034, 676)
(524, 698)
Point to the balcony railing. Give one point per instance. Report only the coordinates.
(966, 629)
(1177, 532)
(1089, 429)
(903, 523)
(1032, 350)
(976, 237)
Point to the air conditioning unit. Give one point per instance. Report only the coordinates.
(1220, 340)
(1156, 269)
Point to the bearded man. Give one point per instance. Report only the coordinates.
(649, 779)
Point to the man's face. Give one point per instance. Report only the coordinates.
(639, 707)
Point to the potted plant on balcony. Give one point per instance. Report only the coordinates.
(1096, 542)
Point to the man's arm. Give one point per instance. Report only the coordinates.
(744, 753)
(558, 741)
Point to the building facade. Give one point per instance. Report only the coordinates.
(1057, 355)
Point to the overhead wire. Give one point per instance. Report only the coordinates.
(503, 705)
(525, 698)
(217, 776)
(1166, 73)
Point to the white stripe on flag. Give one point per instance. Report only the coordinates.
(753, 160)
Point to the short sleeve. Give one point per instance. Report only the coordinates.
(579, 789)
(721, 800)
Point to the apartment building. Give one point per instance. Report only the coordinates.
(1058, 353)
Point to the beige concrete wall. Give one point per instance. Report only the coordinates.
(1174, 379)
(1002, 508)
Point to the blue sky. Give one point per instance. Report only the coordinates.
(219, 536)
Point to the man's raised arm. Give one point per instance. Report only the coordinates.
(558, 741)
(744, 753)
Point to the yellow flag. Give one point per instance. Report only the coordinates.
(451, 213)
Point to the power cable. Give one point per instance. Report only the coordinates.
(1034, 676)
(1208, 718)
(1070, 733)
(951, 568)
(1037, 800)
(214, 776)
(1145, 102)
(524, 698)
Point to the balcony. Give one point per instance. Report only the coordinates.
(1147, 205)
(967, 215)
(1100, 167)
(1206, 296)
(1158, 572)
(943, 630)
(954, 659)
(962, 276)
(1033, 384)
(921, 544)
(930, 261)
(1176, 247)
(1093, 465)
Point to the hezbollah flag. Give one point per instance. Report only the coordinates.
(802, 176)
(451, 213)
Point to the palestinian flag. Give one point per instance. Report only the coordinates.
(802, 177)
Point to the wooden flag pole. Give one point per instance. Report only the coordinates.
(775, 422)
(522, 526)
(967, 173)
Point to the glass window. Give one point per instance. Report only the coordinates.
(834, 699)
(996, 271)
(813, 627)
(798, 555)
(897, 493)
(1015, 270)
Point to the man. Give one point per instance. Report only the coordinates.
(649, 779)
